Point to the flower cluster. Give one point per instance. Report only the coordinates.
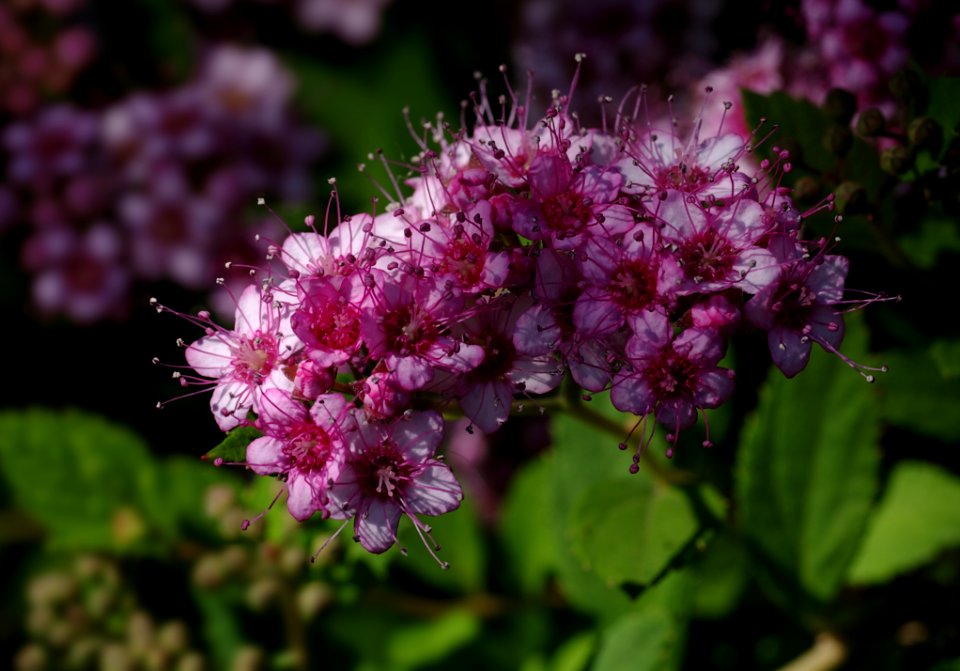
(152, 187)
(519, 255)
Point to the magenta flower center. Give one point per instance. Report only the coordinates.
(634, 285)
(308, 446)
(464, 259)
(707, 257)
(499, 354)
(382, 472)
(255, 357)
(683, 178)
(335, 326)
(409, 331)
(672, 375)
(566, 213)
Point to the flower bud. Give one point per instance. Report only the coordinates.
(850, 198)
(895, 160)
(115, 657)
(262, 593)
(173, 636)
(906, 85)
(838, 139)
(31, 657)
(871, 122)
(840, 105)
(806, 188)
(313, 598)
(192, 661)
(248, 658)
(925, 133)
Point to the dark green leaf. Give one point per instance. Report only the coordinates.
(233, 448)
(935, 236)
(639, 641)
(916, 395)
(946, 354)
(918, 518)
(93, 485)
(630, 530)
(807, 469)
(349, 103)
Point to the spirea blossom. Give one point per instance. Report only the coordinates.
(521, 255)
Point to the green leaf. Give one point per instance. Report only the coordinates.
(934, 236)
(362, 107)
(719, 577)
(581, 456)
(93, 485)
(630, 531)
(574, 654)
(233, 448)
(916, 395)
(639, 641)
(918, 518)
(531, 545)
(807, 469)
(430, 641)
(946, 354)
(802, 126)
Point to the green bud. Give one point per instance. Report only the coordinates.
(925, 133)
(218, 499)
(31, 657)
(871, 122)
(51, 588)
(236, 559)
(806, 188)
(140, 630)
(313, 598)
(895, 160)
(850, 198)
(838, 139)
(192, 661)
(261, 593)
(209, 572)
(173, 637)
(840, 105)
(906, 85)
(293, 560)
(248, 658)
(115, 657)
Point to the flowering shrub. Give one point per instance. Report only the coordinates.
(523, 254)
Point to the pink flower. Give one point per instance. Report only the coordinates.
(305, 446)
(247, 360)
(389, 471)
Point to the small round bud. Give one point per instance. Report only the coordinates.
(192, 661)
(906, 85)
(840, 105)
(925, 133)
(262, 593)
(850, 198)
(31, 657)
(313, 598)
(871, 122)
(838, 139)
(895, 160)
(115, 657)
(173, 637)
(248, 658)
(806, 188)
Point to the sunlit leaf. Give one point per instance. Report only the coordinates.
(90, 483)
(918, 517)
(807, 469)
